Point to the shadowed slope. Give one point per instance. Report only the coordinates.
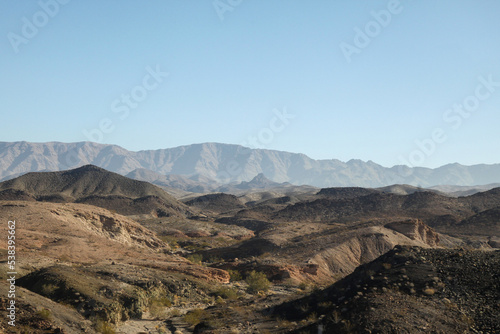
(93, 185)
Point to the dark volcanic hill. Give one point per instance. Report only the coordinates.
(350, 203)
(485, 223)
(408, 290)
(422, 205)
(82, 182)
(346, 192)
(92, 185)
(219, 203)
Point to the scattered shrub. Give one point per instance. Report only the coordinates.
(48, 289)
(195, 258)
(235, 275)
(157, 306)
(175, 313)
(386, 266)
(313, 317)
(257, 281)
(335, 317)
(171, 241)
(303, 286)
(325, 305)
(227, 293)
(283, 323)
(215, 259)
(195, 316)
(45, 314)
(105, 327)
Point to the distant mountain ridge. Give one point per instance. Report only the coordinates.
(224, 163)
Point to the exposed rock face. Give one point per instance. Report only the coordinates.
(341, 259)
(367, 244)
(115, 293)
(415, 229)
(119, 229)
(80, 233)
(276, 271)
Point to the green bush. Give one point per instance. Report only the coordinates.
(105, 327)
(45, 314)
(157, 307)
(303, 286)
(195, 258)
(227, 293)
(257, 281)
(215, 259)
(48, 289)
(234, 275)
(195, 316)
(170, 240)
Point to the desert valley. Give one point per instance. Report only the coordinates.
(174, 241)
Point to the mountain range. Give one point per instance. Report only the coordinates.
(211, 164)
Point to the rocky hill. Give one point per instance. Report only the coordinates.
(218, 203)
(408, 290)
(93, 185)
(225, 163)
(78, 266)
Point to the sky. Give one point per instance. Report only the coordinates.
(395, 82)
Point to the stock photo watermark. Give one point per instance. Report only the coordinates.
(263, 137)
(11, 272)
(122, 106)
(31, 26)
(453, 117)
(223, 6)
(372, 29)
(266, 135)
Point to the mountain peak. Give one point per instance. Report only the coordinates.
(89, 168)
(260, 181)
(226, 163)
(260, 178)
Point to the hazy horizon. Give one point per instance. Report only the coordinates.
(268, 149)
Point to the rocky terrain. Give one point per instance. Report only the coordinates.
(408, 290)
(99, 252)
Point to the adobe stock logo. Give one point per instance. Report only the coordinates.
(264, 136)
(127, 102)
(454, 117)
(372, 29)
(223, 6)
(31, 28)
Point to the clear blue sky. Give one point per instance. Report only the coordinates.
(227, 77)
